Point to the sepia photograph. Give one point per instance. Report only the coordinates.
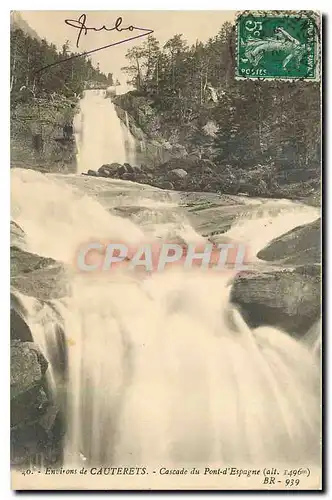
(165, 250)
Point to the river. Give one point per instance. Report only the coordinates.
(161, 369)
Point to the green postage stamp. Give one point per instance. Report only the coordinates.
(278, 45)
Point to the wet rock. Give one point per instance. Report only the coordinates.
(28, 366)
(19, 329)
(25, 262)
(301, 245)
(111, 170)
(286, 298)
(27, 445)
(48, 419)
(17, 235)
(131, 172)
(92, 173)
(104, 171)
(129, 168)
(178, 173)
(47, 284)
(115, 166)
(122, 170)
(40, 277)
(17, 305)
(29, 399)
(127, 176)
(36, 444)
(36, 425)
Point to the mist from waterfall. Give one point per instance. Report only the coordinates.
(162, 369)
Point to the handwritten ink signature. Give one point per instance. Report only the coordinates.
(80, 25)
(83, 29)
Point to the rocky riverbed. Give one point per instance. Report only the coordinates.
(281, 288)
(191, 173)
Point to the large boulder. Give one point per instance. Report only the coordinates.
(28, 392)
(128, 176)
(37, 427)
(123, 170)
(104, 172)
(40, 277)
(286, 298)
(92, 173)
(129, 168)
(110, 170)
(178, 173)
(25, 262)
(301, 245)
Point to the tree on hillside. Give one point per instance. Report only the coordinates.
(256, 122)
(64, 75)
(134, 70)
(151, 55)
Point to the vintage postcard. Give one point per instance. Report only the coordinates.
(166, 250)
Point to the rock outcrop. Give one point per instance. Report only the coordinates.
(161, 137)
(17, 235)
(19, 329)
(153, 145)
(301, 245)
(28, 367)
(37, 427)
(289, 299)
(183, 174)
(285, 296)
(28, 388)
(178, 173)
(39, 135)
(35, 421)
(40, 277)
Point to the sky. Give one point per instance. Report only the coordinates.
(194, 25)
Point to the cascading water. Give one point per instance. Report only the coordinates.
(101, 137)
(162, 369)
(130, 143)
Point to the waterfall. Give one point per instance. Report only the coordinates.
(269, 222)
(129, 142)
(161, 369)
(101, 137)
